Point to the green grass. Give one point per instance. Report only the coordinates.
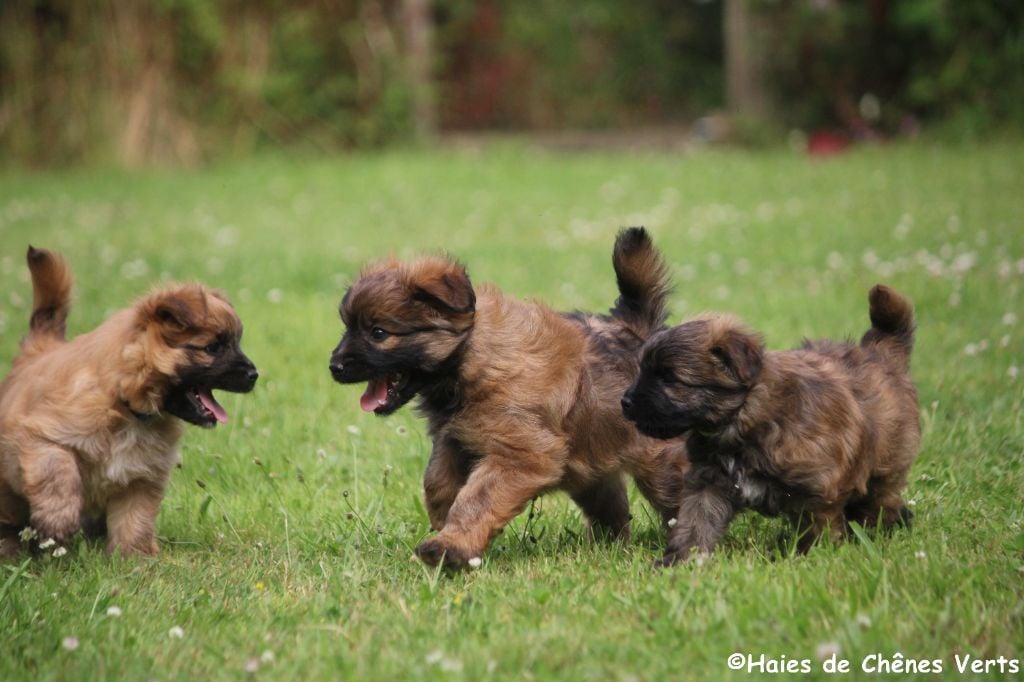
(290, 530)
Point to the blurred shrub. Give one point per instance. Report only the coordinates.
(587, 63)
(884, 63)
(176, 81)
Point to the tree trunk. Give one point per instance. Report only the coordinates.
(417, 29)
(744, 39)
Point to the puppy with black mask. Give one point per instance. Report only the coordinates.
(824, 434)
(89, 427)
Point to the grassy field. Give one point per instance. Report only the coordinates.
(287, 534)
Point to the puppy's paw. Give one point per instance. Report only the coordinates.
(60, 526)
(9, 546)
(690, 555)
(435, 551)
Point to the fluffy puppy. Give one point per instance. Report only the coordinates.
(519, 399)
(89, 427)
(824, 434)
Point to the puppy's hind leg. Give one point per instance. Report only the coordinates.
(131, 519)
(606, 506)
(810, 527)
(53, 488)
(883, 507)
(661, 481)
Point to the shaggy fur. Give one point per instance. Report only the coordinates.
(89, 427)
(520, 399)
(824, 434)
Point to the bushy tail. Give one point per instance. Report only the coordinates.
(51, 296)
(643, 282)
(892, 324)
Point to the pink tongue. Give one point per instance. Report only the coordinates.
(206, 398)
(376, 395)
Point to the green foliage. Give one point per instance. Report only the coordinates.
(594, 63)
(262, 550)
(177, 81)
(932, 59)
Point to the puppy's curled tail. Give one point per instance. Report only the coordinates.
(51, 296)
(643, 282)
(892, 324)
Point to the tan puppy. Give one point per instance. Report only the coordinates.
(90, 427)
(520, 399)
(824, 434)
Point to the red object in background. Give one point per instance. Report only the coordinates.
(827, 143)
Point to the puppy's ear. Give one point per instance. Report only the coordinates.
(741, 354)
(176, 310)
(444, 286)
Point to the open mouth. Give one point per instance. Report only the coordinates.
(196, 405)
(383, 394)
(207, 405)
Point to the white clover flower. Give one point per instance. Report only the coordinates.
(70, 643)
(911, 503)
(252, 665)
(134, 269)
(827, 650)
(964, 262)
(475, 562)
(919, 554)
(275, 295)
(1004, 341)
(27, 534)
(451, 665)
(863, 620)
(176, 632)
(267, 657)
(1010, 319)
(1012, 371)
(434, 657)
(353, 429)
(47, 543)
(835, 260)
(971, 349)
(114, 611)
(672, 522)
(59, 552)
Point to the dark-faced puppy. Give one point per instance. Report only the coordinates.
(89, 427)
(520, 399)
(824, 434)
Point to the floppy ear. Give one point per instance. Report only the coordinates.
(447, 289)
(742, 355)
(175, 311)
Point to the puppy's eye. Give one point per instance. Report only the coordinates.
(213, 348)
(378, 334)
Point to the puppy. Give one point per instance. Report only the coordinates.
(90, 427)
(824, 434)
(519, 399)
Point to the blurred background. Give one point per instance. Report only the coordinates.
(182, 82)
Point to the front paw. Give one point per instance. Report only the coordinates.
(60, 526)
(435, 551)
(689, 555)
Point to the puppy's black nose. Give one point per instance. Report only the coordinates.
(252, 375)
(627, 402)
(337, 369)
